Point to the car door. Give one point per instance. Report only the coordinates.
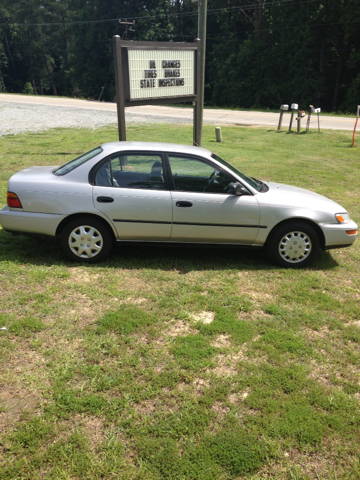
(129, 188)
(204, 209)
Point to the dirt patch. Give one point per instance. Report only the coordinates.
(321, 375)
(13, 403)
(133, 301)
(81, 275)
(63, 345)
(227, 364)
(78, 307)
(147, 407)
(356, 324)
(248, 316)
(25, 365)
(179, 329)
(132, 282)
(312, 465)
(93, 428)
(222, 341)
(203, 317)
(237, 398)
(221, 410)
(199, 385)
(314, 335)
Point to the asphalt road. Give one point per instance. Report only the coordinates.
(211, 116)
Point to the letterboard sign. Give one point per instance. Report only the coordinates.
(161, 73)
(152, 73)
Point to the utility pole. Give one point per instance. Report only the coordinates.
(126, 23)
(202, 36)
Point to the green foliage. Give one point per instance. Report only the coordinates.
(28, 89)
(124, 321)
(24, 327)
(267, 381)
(238, 452)
(304, 424)
(263, 63)
(30, 435)
(193, 351)
(226, 323)
(285, 341)
(256, 57)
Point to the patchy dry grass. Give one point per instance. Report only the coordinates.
(183, 363)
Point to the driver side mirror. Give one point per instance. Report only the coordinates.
(238, 190)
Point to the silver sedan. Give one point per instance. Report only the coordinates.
(157, 192)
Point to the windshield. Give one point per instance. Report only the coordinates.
(251, 181)
(77, 161)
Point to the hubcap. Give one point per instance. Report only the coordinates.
(85, 241)
(295, 247)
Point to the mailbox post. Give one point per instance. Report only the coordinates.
(294, 106)
(301, 114)
(283, 108)
(311, 109)
(318, 110)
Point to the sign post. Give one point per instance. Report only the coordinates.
(150, 73)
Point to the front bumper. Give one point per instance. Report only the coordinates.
(28, 222)
(336, 236)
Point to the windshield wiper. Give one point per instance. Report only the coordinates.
(263, 186)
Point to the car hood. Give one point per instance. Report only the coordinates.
(286, 195)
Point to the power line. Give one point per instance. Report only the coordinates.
(164, 15)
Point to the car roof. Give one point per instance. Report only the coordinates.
(158, 146)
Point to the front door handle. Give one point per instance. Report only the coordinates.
(184, 204)
(104, 199)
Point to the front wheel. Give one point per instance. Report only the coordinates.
(86, 240)
(293, 245)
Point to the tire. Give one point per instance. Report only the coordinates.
(293, 245)
(86, 240)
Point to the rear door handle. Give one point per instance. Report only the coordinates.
(104, 199)
(184, 204)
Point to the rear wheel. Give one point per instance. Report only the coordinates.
(294, 245)
(86, 240)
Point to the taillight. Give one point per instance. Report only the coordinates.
(13, 200)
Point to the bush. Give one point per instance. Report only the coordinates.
(28, 89)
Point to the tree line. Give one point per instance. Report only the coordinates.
(260, 53)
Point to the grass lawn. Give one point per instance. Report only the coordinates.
(188, 364)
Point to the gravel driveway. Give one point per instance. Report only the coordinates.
(19, 117)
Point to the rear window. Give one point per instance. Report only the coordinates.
(76, 162)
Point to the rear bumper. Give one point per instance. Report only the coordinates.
(336, 236)
(27, 222)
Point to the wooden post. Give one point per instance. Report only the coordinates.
(218, 134)
(356, 122)
(198, 117)
(202, 35)
(119, 89)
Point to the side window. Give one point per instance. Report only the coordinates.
(193, 175)
(103, 176)
(142, 171)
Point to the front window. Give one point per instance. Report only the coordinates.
(76, 162)
(251, 181)
(194, 175)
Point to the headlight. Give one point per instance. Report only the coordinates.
(342, 217)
